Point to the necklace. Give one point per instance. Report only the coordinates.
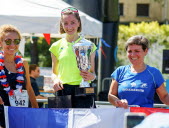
(19, 76)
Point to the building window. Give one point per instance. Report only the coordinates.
(142, 9)
(121, 9)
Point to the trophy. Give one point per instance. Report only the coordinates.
(82, 50)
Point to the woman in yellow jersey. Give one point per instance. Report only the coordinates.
(66, 75)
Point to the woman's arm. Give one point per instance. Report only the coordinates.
(112, 96)
(90, 75)
(92, 59)
(1, 101)
(29, 87)
(54, 65)
(57, 83)
(163, 94)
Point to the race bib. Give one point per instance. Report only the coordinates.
(19, 99)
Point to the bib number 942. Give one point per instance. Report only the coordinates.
(19, 100)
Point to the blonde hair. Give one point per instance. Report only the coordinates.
(76, 14)
(8, 28)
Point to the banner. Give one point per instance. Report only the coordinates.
(18, 117)
(148, 111)
(155, 120)
(64, 118)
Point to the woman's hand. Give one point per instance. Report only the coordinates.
(57, 85)
(87, 76)
(1, 101)
(121, 103)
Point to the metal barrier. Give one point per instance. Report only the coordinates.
(108, 103)
(105, 103)
(109, 79)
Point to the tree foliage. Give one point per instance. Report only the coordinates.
(43, 51)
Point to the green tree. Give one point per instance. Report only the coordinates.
(43, 54)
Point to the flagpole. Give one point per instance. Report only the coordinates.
(99, 67)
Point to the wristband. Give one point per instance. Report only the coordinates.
(54, 76)
(94, 76)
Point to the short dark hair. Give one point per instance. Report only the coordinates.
(32, 67)
(138, 40)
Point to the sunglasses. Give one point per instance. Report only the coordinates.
(9, 41)
(72, 9)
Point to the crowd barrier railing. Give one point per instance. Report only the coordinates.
(106, 104)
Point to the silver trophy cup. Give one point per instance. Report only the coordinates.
(83, 50)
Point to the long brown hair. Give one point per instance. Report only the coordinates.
(69, 12)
